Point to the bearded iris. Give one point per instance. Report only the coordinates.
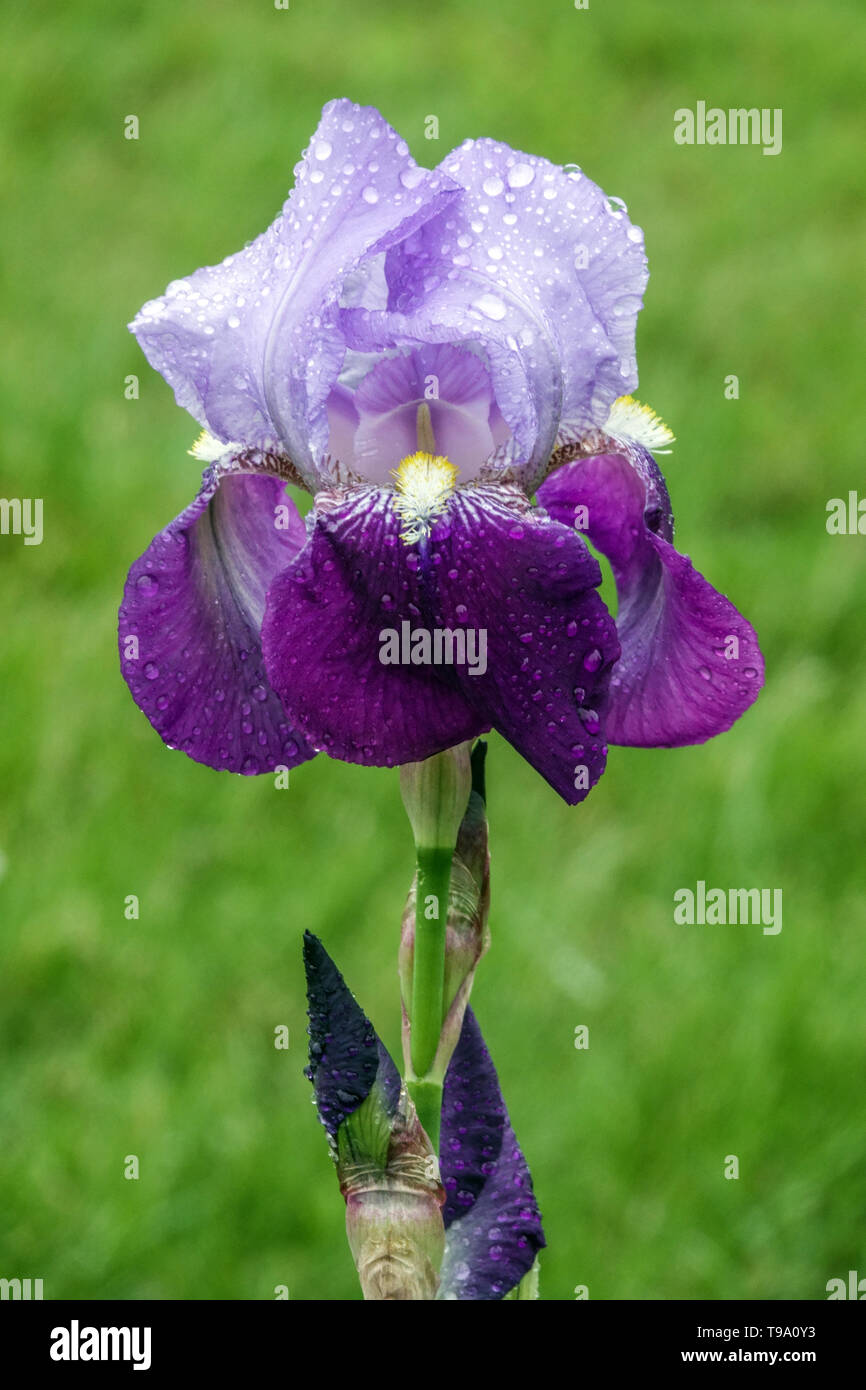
(444, 359)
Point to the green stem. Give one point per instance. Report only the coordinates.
(427, 1096)
(428, 969)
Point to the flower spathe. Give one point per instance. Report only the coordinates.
(482, 1201)
(424, 351)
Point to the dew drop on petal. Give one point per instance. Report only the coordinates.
(520, 175)
(491, 306)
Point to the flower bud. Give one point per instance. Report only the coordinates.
(466, 935)
(435, 793)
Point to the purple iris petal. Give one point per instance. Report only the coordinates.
(530, 584)
(346, 1055)
(690, 663)
(250, 346)
(321, 637)
(491, 1216)
(536, 266)
(190, 619)
(456, 388)
(526, 583)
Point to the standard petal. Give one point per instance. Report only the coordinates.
(250, 346)
(346, 1054)
(491, 1216)
(690, 663)
(529, 584)
(323, 637)
(190, 621)
(542, 271)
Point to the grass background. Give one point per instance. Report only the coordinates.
(155, 1037)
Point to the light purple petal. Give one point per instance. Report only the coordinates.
(250, 346)
(491, 1216)
(536, 266)
(690, 664)
(321, 638)
(190, 621)
(456, 388)
(523, 583)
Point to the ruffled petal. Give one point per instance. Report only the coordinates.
(542, 271)
(491, 1216)
(518, 583)
(190, 620)
(690, 663)
(322, 638)
(250, 347)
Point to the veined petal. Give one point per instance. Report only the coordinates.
(491, 1216)
(250, 347)
(190, 621)
(530, 584)
(690, 663)
(456, 388)
(514, 591)
(322, 638)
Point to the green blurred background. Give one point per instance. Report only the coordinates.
(155, 1037)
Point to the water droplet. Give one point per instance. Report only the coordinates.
(259, 693)
(370, 194)
(704, 673)
(592, 660)
(146, 584)
(322, 149)
(151, 672)
(493, 186)
(590, 720)
(520, 175)
(491, 306)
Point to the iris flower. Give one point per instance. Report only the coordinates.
(444, 360)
